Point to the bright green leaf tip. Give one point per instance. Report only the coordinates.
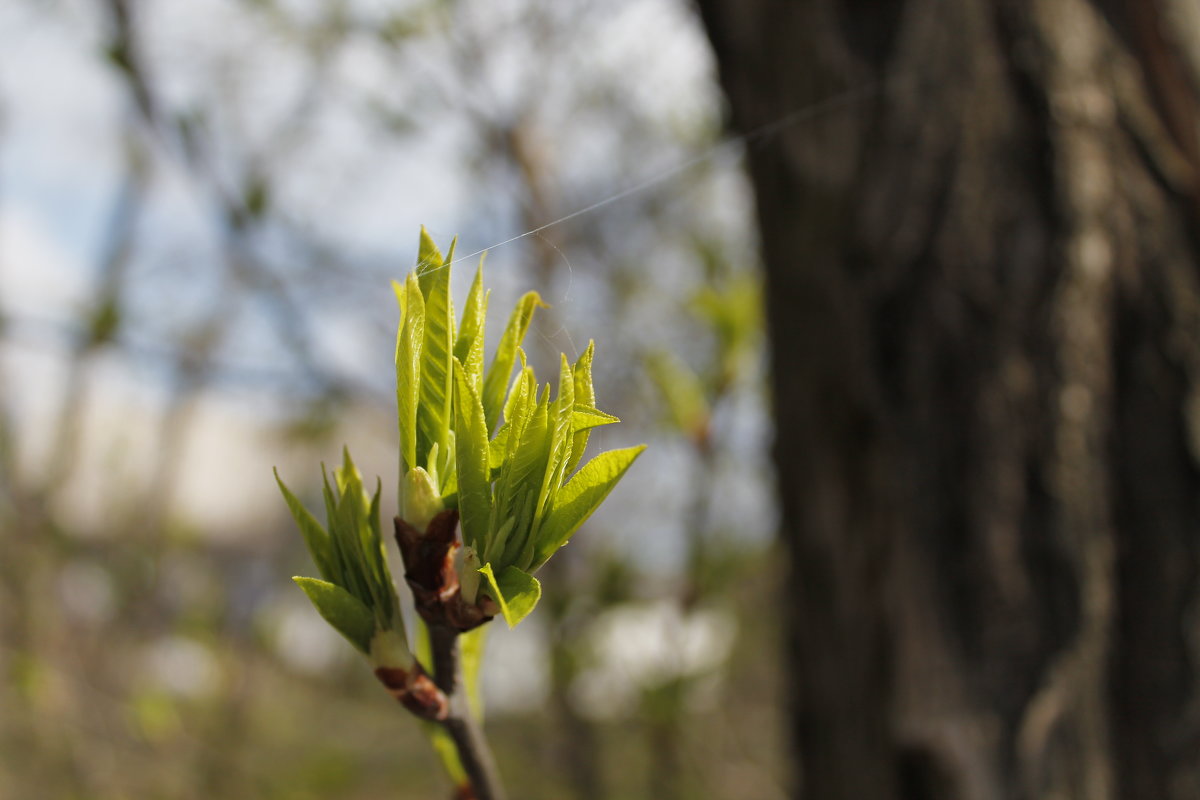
(348, 615)
(316, 538)
(580, 497)
(429, 257)
(515, 592)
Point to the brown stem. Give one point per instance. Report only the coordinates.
(415, 691)
(460, 723)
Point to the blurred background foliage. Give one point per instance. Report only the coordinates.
(202, 203)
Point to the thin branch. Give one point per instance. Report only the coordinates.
(461, 724)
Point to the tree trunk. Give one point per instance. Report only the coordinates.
(984, 307)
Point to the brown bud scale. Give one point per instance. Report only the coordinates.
(429, 570)
(415, 691)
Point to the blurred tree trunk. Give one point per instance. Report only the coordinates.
(984, 306)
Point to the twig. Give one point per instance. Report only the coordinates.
(460, 723)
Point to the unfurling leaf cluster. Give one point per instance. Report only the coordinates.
(500, 449)
(356, 594)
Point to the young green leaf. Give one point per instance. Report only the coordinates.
(496, 380)
(345, 612)
(519, 488)
(519, 390)
(346, 535)
(341, 568)
(401, 300)
(337, 560)
(561, 436)
(498, 449)
(468, 345)
(428, 254)
(316, 538)
(521, 593)
(359, 536)
(474, 476)
(499, 531)
(519, 410)
(585, 395)
(584, 418)
(380, 576)
(516, 592)
(580, 497)
(434, 408)
(409, 342)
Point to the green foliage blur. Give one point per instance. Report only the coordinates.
(224, 320)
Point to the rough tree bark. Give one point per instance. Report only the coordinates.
(983, 275)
